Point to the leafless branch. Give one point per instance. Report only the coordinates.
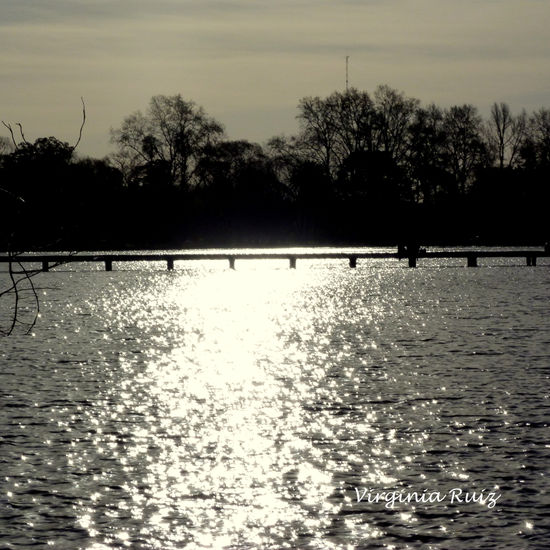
(22, 285)
(22, 134)
(8, 126)
(36, 305)
(16, 299)
(82, 125)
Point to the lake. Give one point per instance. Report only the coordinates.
(320, 407)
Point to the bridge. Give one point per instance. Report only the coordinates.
(471, 256)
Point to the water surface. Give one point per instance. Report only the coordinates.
(210, 408)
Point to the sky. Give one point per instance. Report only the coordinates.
(248, 63)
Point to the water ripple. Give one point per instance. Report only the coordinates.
(207, 408)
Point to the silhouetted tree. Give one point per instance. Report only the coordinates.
(506, 134)
(356, 123)
(356, 161)
(536, 147)
(428, 172)
(238, 188)
(375, 179)
(464, 150)
(395, 114)
(172, 134)
(535, 182)
(318, 138)
(221, 163)
(39, 174)
(286, 154)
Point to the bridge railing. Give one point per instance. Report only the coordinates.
(471, 257)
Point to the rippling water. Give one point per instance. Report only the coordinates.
(209, 408)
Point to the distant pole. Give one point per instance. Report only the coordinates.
(347, 80)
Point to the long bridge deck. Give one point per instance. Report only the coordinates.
(471, 257)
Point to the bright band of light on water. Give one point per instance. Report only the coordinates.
(226, 441)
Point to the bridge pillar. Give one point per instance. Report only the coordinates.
(45, 266)
(412, 261)
(472, 260)
(531, 260)
(231, 262)
(292, 262)
(353, 261)
(170, 264)
(108, 264)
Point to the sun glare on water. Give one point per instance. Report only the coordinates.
(218, 436)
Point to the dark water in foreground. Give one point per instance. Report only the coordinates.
(206, 408)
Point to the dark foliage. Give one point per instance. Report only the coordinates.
(361, 170)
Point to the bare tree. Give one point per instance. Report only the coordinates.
(172, 131)
(333, 128)
(425, 163)
(506, 134)
(395, 113)
(538, 141)
(464, 149)
(319, 127)
(347, 123)
(357, 123)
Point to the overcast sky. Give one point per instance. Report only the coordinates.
(249, 62)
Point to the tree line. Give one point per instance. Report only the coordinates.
(362, 168)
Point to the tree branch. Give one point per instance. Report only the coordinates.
(22, 134)
(82, 125)
(8, 126)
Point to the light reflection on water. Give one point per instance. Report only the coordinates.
(206, 408)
